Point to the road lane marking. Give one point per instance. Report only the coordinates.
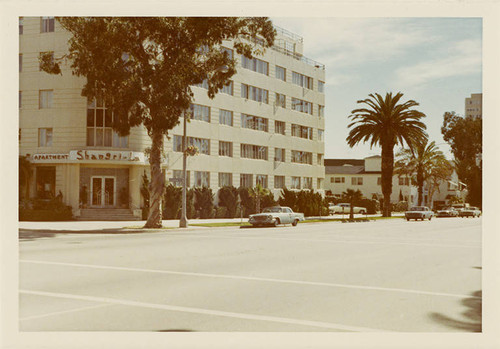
(64, 312)
(124, 302)
(251, 278)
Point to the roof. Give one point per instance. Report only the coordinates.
(341, 162)
(344, 169)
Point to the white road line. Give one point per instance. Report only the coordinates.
(292, 321)
(64, 312)
(250, 278)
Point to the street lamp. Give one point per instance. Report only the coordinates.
(183, 223)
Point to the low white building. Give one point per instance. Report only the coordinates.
(366, 175)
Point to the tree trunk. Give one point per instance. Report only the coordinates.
(351, 211)
(420, 184)
(387, 172)
(157, 183)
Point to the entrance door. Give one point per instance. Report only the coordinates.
(103, 191)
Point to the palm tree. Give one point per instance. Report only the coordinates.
(352, 197)
(258, 193)
(422, 161)
(386, 123)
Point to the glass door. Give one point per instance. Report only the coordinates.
(103, 191)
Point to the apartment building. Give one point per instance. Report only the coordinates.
(365, 175)
(474, 105)
(266, 127)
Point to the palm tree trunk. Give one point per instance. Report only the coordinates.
(420, 184)
(387, 172)
(157, 182)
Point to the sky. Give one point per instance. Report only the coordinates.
(436, 62)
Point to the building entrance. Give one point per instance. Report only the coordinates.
(103, 189)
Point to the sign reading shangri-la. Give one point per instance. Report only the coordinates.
(106, 155)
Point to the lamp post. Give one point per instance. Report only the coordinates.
(183, 223)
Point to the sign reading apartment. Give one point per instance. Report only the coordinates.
(49, 157)
(106, 155)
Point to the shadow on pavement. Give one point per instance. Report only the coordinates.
(473, 313)
(32, 234)
(175, 330)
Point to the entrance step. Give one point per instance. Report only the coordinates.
(107, 214)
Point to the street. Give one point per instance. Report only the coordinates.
(383, 276)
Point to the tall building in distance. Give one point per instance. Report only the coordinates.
(474, 105)
(266, 127)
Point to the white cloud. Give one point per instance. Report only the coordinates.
(462, 58)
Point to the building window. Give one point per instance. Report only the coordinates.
(228, 51)
(225, 148)
(254, 93)
(45, 182)
(279, 182)
(279, 154)
(254, 122)
(201, 179)
(246, 180)
(302, 131)
(280, 100)
(357, 181)
(308, 183)
(200, 112)
(301, 157)
(255, 65)
(202, 144)
(320, 159)
(279, 127)
(262, 180)
(301, 106)
(47, 25)
(45, 54)
(251, 151)
(295, 182)
(20, 99)
(280, 73)
(337, 180)
(100, 127)
(321, 111)
(302, 80)
(319, 183)
(225, 117)
(225, 179)
(228, 89)
(21, 25)
(20, 62)
(321, 86)
(177, 174)
(45, 137)
(203, 84)
(321, 135)
(45, 99)
(404, 181)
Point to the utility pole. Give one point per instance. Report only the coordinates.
(183, 223)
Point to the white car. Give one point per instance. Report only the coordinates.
(276, 215)
(419, 212)
(345, 208)
(470, 212)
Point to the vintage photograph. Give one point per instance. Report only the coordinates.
(250, 174)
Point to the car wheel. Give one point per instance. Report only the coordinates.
(294, 223)
(407, 219)
(430, 217)
(276, 222)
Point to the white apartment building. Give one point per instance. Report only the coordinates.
(365, 175)
(267, 126)
(474, 105)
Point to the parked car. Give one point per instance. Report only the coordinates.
(419, 212)
(447, 212)
(345, 208)
(470, 212)
(276, 215)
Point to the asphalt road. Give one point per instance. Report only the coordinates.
(379, 276)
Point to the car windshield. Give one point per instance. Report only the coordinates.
(417, 208)
(272, 209)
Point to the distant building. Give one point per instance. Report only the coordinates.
(474, 105)
(366, 175)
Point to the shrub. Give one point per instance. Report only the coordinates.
(221, 212)
(172, 202)
(228, 198)
(204, 202)
(45, 210)
(288, 198)
(400, 206)
(372, 206)
(247, 201)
